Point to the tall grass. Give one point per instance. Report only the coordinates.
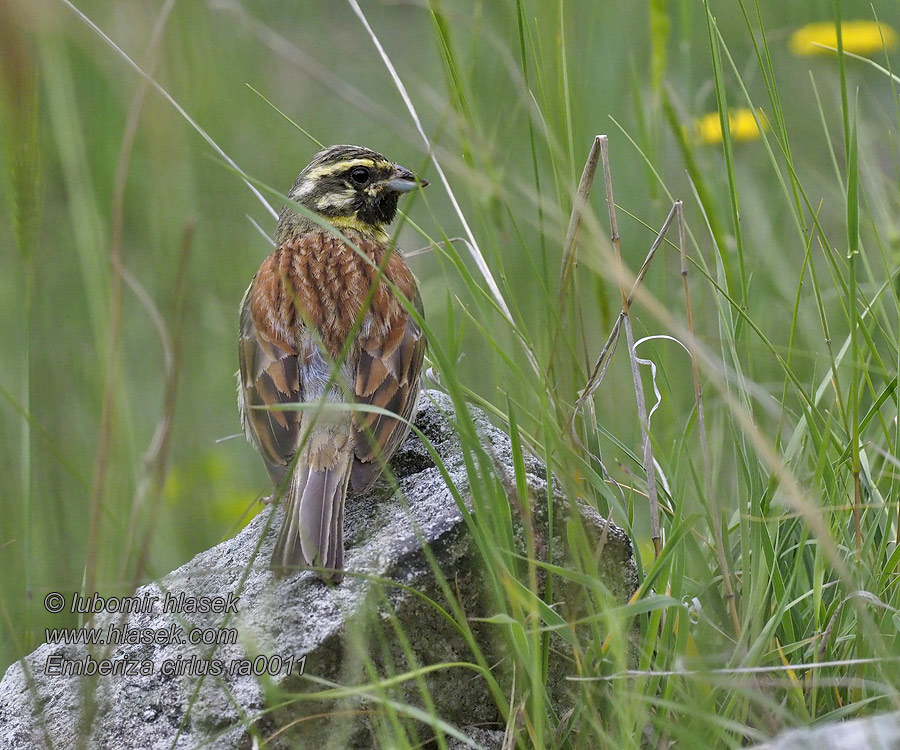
(769, 597)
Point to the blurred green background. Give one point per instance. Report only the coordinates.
(494, 122)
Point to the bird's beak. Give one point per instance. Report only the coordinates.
(402, 180)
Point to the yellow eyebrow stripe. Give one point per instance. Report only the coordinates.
(341, 166)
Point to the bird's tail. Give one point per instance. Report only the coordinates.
(312, 532)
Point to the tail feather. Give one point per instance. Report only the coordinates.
(287, 556)
(317, 511)
(312, 531)
(336, 542)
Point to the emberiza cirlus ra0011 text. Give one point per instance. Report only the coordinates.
(323, 322)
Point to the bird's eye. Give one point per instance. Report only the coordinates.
(359, 175)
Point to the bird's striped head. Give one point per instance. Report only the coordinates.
(353, 187)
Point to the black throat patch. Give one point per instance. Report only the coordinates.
(377, 211)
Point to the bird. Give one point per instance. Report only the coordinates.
(325, 322)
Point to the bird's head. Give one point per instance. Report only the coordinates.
(351, 187)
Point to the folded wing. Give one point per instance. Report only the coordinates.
(269, 376)
(387, 376)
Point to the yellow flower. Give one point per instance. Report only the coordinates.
(741, 123)
(860, 37)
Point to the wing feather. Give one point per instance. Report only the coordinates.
(388, 376)
(269, 376)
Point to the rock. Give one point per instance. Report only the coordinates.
(370, 628)
(489, 739)
(869, 733)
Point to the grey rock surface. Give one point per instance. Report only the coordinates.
(869, 733)
(382, 620)
(489, 739)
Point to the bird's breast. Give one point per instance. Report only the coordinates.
(318, 284)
